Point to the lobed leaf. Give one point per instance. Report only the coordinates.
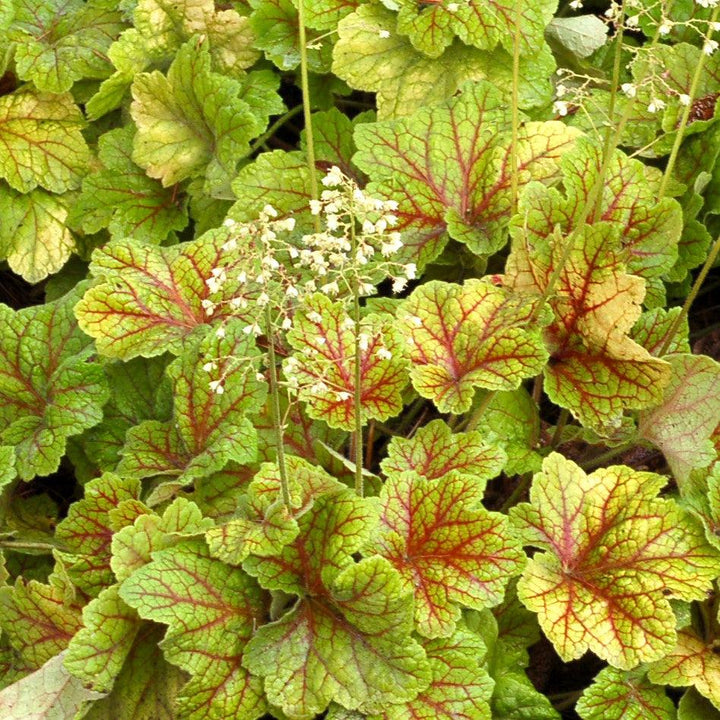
(211, 610)
(59, 42)
(691, 662)
(448, 549)
(448, 167)
(208, 428)
(34, 238)
(624, 695)
(347, 639)
(682, 424)
(595, 369)
(324, 363)
(48, 389)
(613, 554)
(149, 300)
(42, 142)
(263, 525)
(435, 451)
(50, 693)
(463, 337)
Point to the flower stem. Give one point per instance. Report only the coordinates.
(694, 85)
(305, 86)
(357, 387)
(276, 414)
(514, 180)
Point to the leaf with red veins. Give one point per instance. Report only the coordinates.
(682, 424)
(110, 503)
(323, 336)
(448, 167)
(461, 687)
(649, 230)
(596, 370)
(690, 662)
(448, 549)
(264, 525)
(435, 451)
(347, 639)
(48, 389)
(211, 610)
(208, 428)
(39, 620)
(461, 337)
(480, 23)
(612, 555)
(149, 300)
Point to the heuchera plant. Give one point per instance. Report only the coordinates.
(358, 360)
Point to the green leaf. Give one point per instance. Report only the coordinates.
(150, 299)
(448, 549)
(48, 390)
(595, 370)
(42, 142)
(276, 27)
(653, 327)
(123, 199)
(147, 686)
(98, 651)
(39, 619)
(208, 428)
(613, 554)
(691, 662)
(649, 230)
(469, 336)
(50, 693)
(480, 23)
(58, 41)
(682, 424)
(34, 238)
(581, 35)
(110, 503)
(133, 545)
(164, 25)
(460, 688)
(513, 418)
(693, 706)
(456, 177)
(264, 526)
(434, 451)
(210, 609)
(324, 363)
(370, 56)
(347, 639)
(622, 695)
(194, 120)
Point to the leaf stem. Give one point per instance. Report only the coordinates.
(694, 84)
(561, 423)
(305, 86)
(610, 454)
(709, 262)
(276, 414)
(522, 485)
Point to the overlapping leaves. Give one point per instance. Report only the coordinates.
(347, 639)
(595, 369)
(612, 556)
(448, 167)
(49, 390)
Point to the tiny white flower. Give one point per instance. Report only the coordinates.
(561, 107)
(220, 332)
(390, 205)
(209, 366)
(217, 387)
(452, 7)
(343, 395)
(415, 320)
(576, 4)
(684, 99)
(384, 34)
(263, 299)
(286, 323)
(229, 222)
(315, 207)
(629, 89)
(230, 245)
(384, 353)
(270, 211)
(367, 227)
(209, 306)
(411, 271)
(655, 105)
(665, 28)
(259, 377)
(314, 317)
(710, 47)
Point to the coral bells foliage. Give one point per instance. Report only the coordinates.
(335, 417)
